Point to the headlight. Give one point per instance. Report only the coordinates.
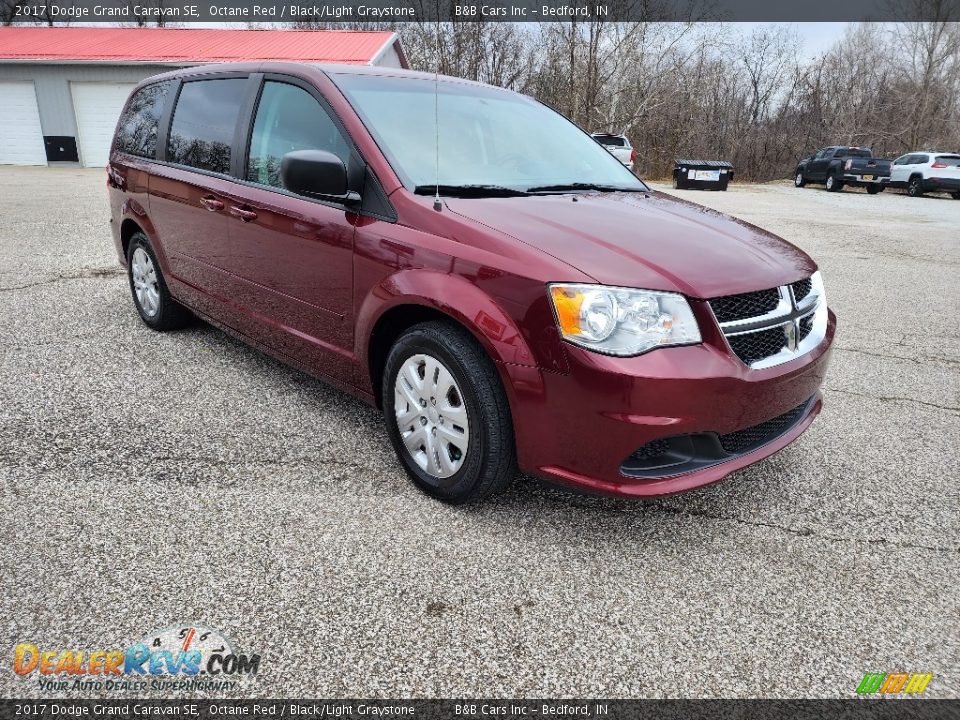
(622, 321)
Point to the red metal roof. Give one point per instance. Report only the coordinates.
(169, 45)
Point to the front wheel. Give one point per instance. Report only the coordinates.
(955, 195)
(915, 187)
(833, 184)
(874, 189)
(447, 414)
(799, 180)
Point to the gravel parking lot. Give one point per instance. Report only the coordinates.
(149, 479)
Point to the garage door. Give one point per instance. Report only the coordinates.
(21, 139)
(97, 107)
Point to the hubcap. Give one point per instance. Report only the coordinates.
(799, 179)
(431, 415)
(145, 284)
(829, 182)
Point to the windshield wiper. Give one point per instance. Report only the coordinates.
(582, 186)
(470, 191)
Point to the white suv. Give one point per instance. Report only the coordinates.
(619, 147)
(927, 171)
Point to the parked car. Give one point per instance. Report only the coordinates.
(501, 301)
(840, 165)
(923, 172)
(619, 146)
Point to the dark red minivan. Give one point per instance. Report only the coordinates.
(475, 265)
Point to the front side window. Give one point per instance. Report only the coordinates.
(487, 136)
(203, 123)
(902, 160)
(288, 119)
(137, 129)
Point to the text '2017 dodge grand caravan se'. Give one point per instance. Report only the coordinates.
(503, 301)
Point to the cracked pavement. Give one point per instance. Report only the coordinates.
(147, 479)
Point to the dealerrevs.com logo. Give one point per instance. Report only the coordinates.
(188, 656)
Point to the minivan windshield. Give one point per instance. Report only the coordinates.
(489, 139)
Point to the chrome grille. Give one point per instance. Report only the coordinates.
(771, 327)
(802, 288)
(745, 305)
(754, 346)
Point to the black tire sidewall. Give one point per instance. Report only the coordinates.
(798, 179)
(462, 486)
(170, 314)
(913, 188)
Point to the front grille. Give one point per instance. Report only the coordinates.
(802, 288)
(651, 450)
(754, 346)
(745, 305)
(806, 327)
(752, 437)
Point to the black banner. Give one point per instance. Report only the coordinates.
(390, 11)
(854, 709)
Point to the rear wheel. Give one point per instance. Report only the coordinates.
(873, 189)
(447, 414)
(799, 180)
(150, 295)
(834, 184)
(915, 187)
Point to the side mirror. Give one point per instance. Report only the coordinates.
(316, 173)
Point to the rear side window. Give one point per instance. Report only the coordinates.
(611, 140)
(203, 123)
(137, 129)
(951, 160)
(289, 118)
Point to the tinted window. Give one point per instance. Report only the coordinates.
(611, 140)
(902, 160)
(203, 123)
(951, 160)
(289, 118)
(137, 130)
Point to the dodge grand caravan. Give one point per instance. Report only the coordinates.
(504, 302)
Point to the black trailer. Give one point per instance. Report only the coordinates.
(702, 174)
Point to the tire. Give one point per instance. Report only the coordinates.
(441, 357)
(158, 310)
(799, 180)
(833, 184)
(955, 195)
(915, 187)
(873, 188)
(676, 182)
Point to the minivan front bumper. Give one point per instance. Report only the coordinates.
(695, 414)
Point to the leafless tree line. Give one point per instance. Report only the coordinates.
(707, 90)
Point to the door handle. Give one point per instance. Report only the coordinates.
(211, 203)
(245, 214)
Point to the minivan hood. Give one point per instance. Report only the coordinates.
(646, 240)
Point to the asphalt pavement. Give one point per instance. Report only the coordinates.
(151, 479)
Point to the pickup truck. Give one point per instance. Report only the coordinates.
(619, 146)
(840, 165)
